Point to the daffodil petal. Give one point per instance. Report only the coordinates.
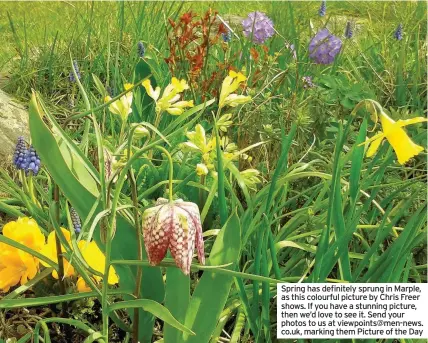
(403, 146)
(374, 146)
(406, 122)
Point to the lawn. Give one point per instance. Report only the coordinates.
(186, 157)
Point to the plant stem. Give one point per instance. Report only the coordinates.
(137, 291)
(171, 168)
(59, 253)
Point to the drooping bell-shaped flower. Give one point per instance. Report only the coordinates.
(175, 225)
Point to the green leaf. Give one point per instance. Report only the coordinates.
(212, 291)
(177, 300)
(140, 99)
(222, 204)
(153, 307)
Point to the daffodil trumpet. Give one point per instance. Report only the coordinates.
(394, 133)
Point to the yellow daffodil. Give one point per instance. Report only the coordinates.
(122, 106)
(170, 97)
(96, 260)
(16, 265)
(25, 231)
(230, 85)
(393, 131)
(49, 250)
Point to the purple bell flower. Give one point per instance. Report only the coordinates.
(324, 47)
(258, 27)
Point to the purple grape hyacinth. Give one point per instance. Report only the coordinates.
(323, 8)
(227, 37)
(141, 49)
(348, 30)
(33, 161)
(75, 219)
(26, 158)
(76, 68)
(398, 34)
(258, 27)
(324, 47)
(20, 155)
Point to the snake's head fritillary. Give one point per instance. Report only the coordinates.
(175, 225)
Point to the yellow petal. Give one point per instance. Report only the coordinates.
(404, 147)
(82, 286)
(154, 94)
(374, 146)
(9, 277)
(174, 111)
(415, 120)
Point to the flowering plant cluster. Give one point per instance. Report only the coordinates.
(25, 158)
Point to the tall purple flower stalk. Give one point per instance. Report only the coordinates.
(398, 34)
(323, 8)
(324, 47)
(75, 219)
(348, 30)
(20, 155)
(26, 158)
(76, 68)
(141, 49)
(258, 27)
(227, 37)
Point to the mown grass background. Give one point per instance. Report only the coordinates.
(323, 227)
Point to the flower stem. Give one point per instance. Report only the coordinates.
(171, 168)
(137, 291)
(59, 253)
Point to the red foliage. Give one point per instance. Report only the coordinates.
(189, 42)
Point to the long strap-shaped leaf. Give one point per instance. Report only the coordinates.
(212, 291)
